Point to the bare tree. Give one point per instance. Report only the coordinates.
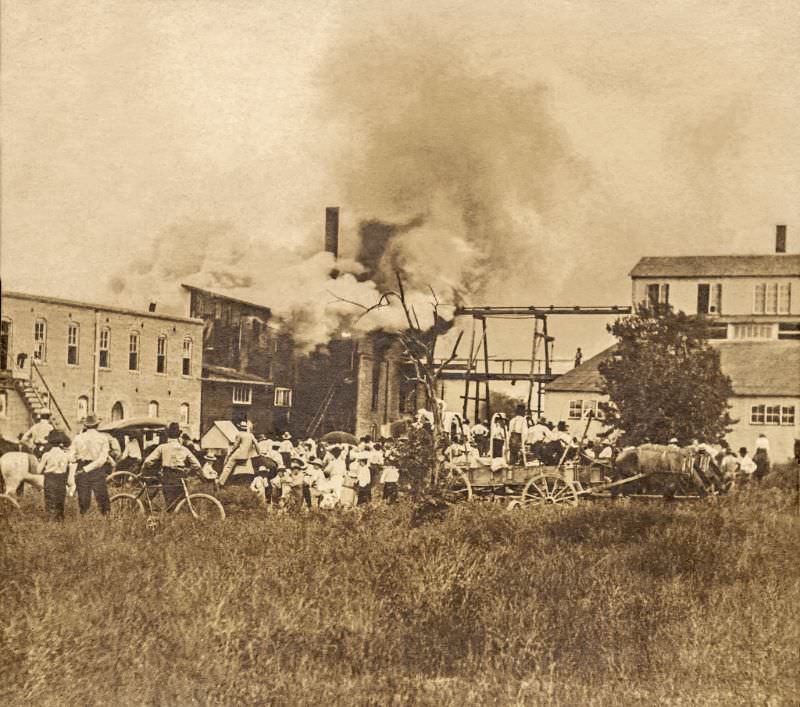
(419, 345)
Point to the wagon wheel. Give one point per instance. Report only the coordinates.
(547, 490)
(456, 487)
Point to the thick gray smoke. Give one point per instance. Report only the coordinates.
(454, 171)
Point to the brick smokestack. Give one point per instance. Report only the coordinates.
(780, 238)
(332, 230)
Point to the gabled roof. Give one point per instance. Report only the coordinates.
(762, 367)
(776, 265)
(219, 295)
(223, 374)
(769, 368)
(585, 378)
(8, 294)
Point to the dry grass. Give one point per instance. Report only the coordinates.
(603, 604)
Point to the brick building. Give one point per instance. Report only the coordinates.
(355, 385)
(76, 357)
(248, 365)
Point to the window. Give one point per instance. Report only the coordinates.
(152, 408)
(5, 345)
(709, 299)
(72, 344)
(579, 409)
(657, 293)
(784, 297)
(184, 414)
(772, 298)
(753, 331)
(242, 394)
(161, 354)
(40, 340)
(186, 362)
(117, 411)
(3, 403)
(105, 340)
(83, 408)
(133, 351)
(377, 365)
(283, 397)
(772, 415)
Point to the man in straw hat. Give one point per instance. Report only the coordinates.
(90, 450)
(56, 467)
(244, 448)
(175, 460)
(37, 436)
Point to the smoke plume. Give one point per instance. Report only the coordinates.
(453, 170)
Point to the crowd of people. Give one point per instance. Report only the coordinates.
(291, 473)
(295, 474)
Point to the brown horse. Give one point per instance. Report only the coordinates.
(667, 465)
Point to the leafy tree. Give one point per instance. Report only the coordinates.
(664, 379)
(419, 343)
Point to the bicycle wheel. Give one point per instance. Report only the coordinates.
(123, 481)
(125, 505)
(201, 506)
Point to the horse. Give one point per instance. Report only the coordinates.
(670, 464)
(17, 468)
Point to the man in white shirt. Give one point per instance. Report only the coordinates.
(517, 432)
(389, 478)
(90, 450)
(36, 437)
(364, 479)
(174, 461)
(480, 435)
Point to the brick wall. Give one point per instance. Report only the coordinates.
(132, 389)
(218, 405)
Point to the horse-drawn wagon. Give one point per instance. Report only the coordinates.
(646, 471)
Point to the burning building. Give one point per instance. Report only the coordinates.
(356, 382)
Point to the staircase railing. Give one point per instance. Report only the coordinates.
(51, 398)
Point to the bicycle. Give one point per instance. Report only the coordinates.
(201, 506)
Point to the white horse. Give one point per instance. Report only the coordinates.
(17, 468)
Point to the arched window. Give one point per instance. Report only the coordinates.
(133, 351)
(184, 414)
(83, 408)
(73, 331)
(40, 340)
(186, 361)
(5, 345)
(117, 411)
(161, 354)
(105, 346)
(152, 408)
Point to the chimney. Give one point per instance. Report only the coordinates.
(151, 307)
(780, 238)
(332, 230)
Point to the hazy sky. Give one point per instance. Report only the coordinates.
(575, 137)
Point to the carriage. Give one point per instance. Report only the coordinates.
(674, 474)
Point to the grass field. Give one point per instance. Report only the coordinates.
(603, 604)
